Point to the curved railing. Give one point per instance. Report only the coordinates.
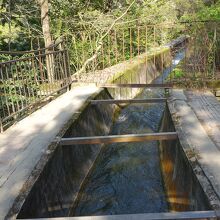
(28, 82)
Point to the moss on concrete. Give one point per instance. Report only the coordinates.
(161, 55)
(141, 69)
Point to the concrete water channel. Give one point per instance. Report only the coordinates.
(144, 180)
(120, 178)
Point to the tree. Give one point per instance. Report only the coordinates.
(45, 21)
(22, 16)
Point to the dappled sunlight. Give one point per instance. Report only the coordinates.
(70, 146)
(197, 114)
(23, 144)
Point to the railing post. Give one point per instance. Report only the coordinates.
(67, 61)
(1, 125)
(40, 64)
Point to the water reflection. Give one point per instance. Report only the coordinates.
(127, 177)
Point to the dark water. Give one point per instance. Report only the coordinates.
(127, 177)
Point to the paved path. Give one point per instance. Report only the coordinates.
(22, 145)
(197, 116)
(207, 109)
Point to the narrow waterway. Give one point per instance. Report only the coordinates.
(127, 177)
(123, 178)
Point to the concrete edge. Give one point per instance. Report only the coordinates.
(45, 157)
(145, 216)
(200, 170)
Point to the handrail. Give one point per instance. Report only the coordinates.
(28, 81)
(31, 51)
(31, 57)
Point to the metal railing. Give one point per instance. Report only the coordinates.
(201, 63)
(26, 83)
(199, 215)
(33, 76)
(121, 46)
(125, 43)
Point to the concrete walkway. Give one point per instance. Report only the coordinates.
(196, 116)
(22, 145)
(207, 109)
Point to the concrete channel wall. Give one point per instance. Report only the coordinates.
(141, 70)
(58, 184)
(54, 186)
(184, 192)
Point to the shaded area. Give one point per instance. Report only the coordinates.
(116, 178)
(184, 191)
(127, 178)
(60, 180)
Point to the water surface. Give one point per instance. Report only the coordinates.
(126, 178)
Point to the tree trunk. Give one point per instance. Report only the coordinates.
(45, 22)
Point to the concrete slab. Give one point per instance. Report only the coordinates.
(207, 109)
(22, 145)
(194, 113)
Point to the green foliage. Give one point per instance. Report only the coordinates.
(5, 57)
(20, 23)
(68, 17)
(177, 73)
(210, 12)
(18, 87)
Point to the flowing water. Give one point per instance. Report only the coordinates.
(127, 177)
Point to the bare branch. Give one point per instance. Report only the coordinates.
(100, 42)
